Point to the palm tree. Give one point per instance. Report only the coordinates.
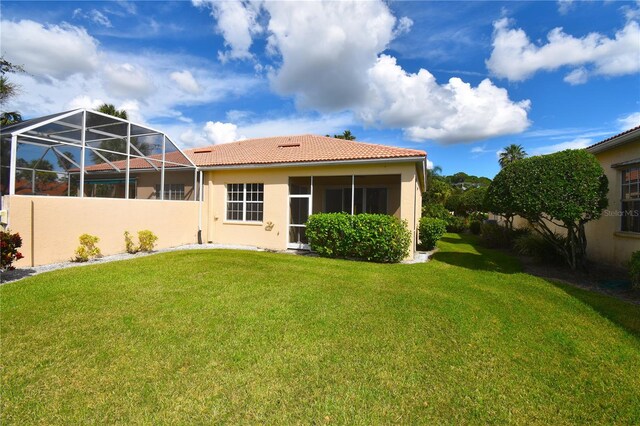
(110, 109)
(511, 153)
(346, 135)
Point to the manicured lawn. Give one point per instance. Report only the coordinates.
(244, 337)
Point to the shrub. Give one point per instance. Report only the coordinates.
(87, 249)
(436, 210)
(9, 245)
(534, 245)
(147, 240)
(634, 269)
(475, 227)
(130, 247)
(371, 237)
(431, 230)
(456, 224)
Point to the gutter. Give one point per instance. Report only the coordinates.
(612, 143)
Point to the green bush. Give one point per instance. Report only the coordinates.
(634, 269)
(534, 245)
(147, 240)
(130, 247)
(436, 210)
(371, 237)
(456, 224)
(430, 230)
(9, 245)
(475, 227)
(88, 248)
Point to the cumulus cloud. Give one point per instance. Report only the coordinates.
(84, 101)
(186, 82)
(237, 22)
(453, 112)
(218, 132)
(516, 58)
(331, 60)
(127, 81)
(629, 121)
(52, 51)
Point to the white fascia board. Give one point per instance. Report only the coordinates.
(627, 137)
(420, 159)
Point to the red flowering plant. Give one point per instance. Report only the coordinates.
(9, 244)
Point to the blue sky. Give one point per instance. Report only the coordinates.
(460, 80)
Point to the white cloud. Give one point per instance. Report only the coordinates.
(84, 101)
(429, 164)
(450, 113)
(56, 51)
(217, 133)
(577, 76)
(516, 58)
(331, 60)
(629, 121)
(564, 6)
(237, 22)
(550, 149)
(127, 81)
(185, 81)
(99, 18)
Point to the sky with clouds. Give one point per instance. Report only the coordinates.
(460, 80)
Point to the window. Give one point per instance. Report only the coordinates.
(245, 202)
(631, 199)
(172, 191)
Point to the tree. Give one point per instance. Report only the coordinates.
(511, 153)
(346, 135)
(117, 145)
(563, 191)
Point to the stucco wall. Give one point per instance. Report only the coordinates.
(276, 200)
(605, 242)
(50, 226)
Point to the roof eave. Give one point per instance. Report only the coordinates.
(414, 159)
(612, 143)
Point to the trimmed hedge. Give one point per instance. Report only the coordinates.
(431, 230)
(371, 237)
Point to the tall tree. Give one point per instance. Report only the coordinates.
(117, 145)
(511, 153)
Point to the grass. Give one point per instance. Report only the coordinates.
(245, 337)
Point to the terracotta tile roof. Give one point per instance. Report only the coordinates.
(614, 137)
(294, 149)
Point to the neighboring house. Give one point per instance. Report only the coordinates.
(85, 172)
(613, 238)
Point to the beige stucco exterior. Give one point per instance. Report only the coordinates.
(272, 233)
(605, 242)
(50, 226)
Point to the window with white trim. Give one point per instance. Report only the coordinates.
(245, 202)
(172, 191)
(631, 199)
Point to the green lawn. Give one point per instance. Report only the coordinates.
(250, 337)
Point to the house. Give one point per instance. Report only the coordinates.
(616, 235)
(82, 171)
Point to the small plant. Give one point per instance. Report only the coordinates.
(147, 240)
(634, 269)
(431, 230)
(130, 247)
(534, 245)
(475, 227)
(9, 245)
(88, 248)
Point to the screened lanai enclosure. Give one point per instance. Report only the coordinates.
(84, 153)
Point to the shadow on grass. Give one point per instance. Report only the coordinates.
(465, 252)
(622, 313)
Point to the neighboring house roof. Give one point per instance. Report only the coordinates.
(613, 141)
(295, 149)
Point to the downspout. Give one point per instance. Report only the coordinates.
(200, 209)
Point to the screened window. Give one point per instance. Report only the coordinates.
(631, 199)
(366, 200)
(245, 202)
(172, 191)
